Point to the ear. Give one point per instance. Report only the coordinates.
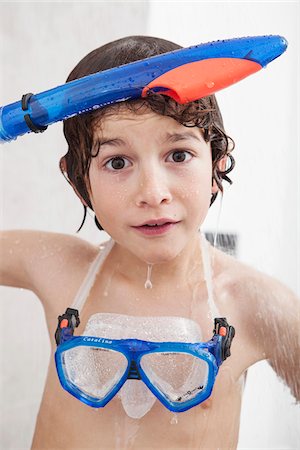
(63, 168)
(222, 167)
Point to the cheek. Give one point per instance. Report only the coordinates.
(99, 192)
(107, 198)
(196, 184)
(196, 195)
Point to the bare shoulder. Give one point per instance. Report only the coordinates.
(237, 288)
(247, 285)
(44, 262)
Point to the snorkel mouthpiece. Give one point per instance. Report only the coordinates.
(185, 75)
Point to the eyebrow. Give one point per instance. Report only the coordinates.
(170, 137)
(185, 135)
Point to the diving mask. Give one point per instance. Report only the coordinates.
(174, 365)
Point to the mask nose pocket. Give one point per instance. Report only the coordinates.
(136, 398)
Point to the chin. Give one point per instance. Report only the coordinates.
(160, 256)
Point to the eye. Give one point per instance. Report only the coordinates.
(179, 156)
(117, 163)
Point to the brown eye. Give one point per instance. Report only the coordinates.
(116, 163)
(180, 156)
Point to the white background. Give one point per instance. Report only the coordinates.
(40, 44)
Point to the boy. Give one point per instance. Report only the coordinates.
(159, 162)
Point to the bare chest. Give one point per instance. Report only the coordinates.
(177, 300)
(213, 424)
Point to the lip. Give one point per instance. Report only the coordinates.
(163, 226)
(156, 222)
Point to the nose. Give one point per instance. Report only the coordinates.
(153, 188)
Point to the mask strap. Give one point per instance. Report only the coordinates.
(89, 280)
(70, 319)
(208, 276)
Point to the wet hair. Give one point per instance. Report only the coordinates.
(79, 130)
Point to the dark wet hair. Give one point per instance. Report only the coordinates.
(203, 113)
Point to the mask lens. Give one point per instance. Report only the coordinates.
(179, 377)
(94, 371)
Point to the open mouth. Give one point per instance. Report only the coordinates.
(155, 228)
(156, 224)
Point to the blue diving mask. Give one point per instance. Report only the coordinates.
(180, 375)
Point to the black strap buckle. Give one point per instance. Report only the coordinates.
(31, 125)
(227, 332)
(70, 319)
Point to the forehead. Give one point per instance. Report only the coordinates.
(138, 122)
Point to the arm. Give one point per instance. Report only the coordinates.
(14, 248)
(36, 260)
(279, 331)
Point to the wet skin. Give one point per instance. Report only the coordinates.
(168, 176)
(214, 424)
(150, 167)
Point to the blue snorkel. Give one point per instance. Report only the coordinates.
(185, 75)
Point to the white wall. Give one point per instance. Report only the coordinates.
(41, 42)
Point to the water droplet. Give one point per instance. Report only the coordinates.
(210, 84)
(174, 419)
(148, 284)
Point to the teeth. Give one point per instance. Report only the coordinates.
(155, 224)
